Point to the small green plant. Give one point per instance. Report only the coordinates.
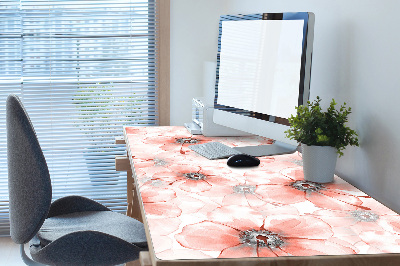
(312, 126)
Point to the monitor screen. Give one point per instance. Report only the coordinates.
(263, 71)
(260, 64)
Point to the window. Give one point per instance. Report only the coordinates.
(83, 69)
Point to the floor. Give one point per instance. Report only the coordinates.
(9, 253)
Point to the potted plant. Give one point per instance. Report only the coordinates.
(323, 135)
(99, 107)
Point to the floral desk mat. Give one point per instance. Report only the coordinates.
(198, 208)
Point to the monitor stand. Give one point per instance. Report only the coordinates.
(277, 148)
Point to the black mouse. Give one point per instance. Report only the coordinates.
(242, 160)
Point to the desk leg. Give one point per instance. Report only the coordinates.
(133, 263)
(133, 200)
(129, 192)
(144, 260)
(133, 210)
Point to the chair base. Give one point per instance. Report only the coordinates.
(26, 259)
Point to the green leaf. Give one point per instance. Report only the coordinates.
(312, 126)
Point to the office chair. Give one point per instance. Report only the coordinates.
(70, 231)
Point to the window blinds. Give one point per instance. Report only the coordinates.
(83, 69)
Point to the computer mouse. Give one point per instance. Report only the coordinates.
(243, 160)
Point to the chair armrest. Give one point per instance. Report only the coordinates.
(72, 204)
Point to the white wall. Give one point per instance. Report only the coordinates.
(194, 41)
(356, 59)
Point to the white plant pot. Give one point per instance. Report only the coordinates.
(319, 163)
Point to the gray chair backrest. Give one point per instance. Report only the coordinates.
(29, 183)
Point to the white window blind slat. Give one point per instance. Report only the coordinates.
(83, 69)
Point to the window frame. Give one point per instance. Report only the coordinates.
(163, 36)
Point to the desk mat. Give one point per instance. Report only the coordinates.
(198, 208)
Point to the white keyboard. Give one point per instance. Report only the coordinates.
(214, 150)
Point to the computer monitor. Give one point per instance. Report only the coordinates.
(263, 72)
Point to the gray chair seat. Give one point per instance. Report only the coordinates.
(107, 222)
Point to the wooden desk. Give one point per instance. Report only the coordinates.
(201, 212)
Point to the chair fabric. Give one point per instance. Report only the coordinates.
(85, 248)
(70, 231)
(28, 176)
(107, 222)
(72, 204)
